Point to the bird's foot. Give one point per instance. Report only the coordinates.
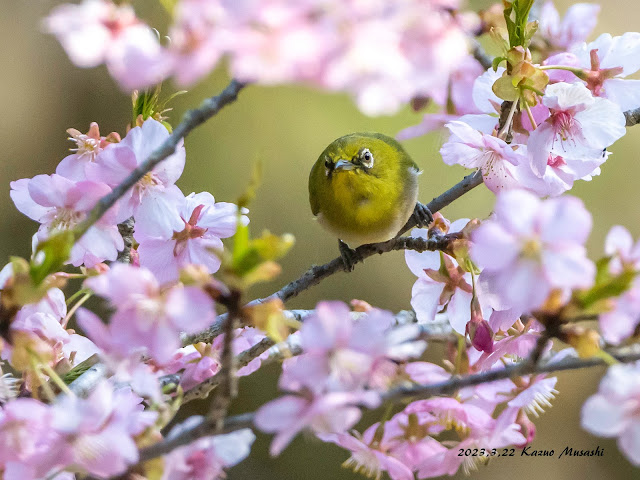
(422, 215)
(349, 256)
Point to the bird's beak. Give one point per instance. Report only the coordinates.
(344, 165)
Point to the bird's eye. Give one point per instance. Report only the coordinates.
(366, 158)
(328, 163)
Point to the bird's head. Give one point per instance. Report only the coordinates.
(361, 154)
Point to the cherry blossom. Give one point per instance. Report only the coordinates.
(624, 253)
(333, 412)
(496, 159)
(206, 458)
(574, 28)
(98, 31)
(29, 446)
(97, 433)
(147, 317)
(607, 62)
(88, 146)
(613, 410)
(499, 433)
(152, 201)
(532, 246)
(60, 204)
(342, 354)
(579, 126)
(189, 233)
(370, 455)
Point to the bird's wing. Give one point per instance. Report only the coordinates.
(313, 194)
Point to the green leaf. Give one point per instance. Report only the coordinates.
(497, 61)
(607, 288)
(79, 369)
(51, 255)
(504, 89)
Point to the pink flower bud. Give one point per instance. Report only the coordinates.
(479, 330)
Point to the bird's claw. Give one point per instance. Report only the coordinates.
(349, 256)
(422, 215)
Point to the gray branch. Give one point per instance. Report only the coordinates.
(632, 117)
(126, 230)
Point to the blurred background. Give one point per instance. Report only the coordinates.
(42, 94)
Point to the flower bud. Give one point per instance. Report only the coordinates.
(478, 329)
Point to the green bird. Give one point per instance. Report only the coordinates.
(363, 188)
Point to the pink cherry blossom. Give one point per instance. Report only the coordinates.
(621, 322)
(408, 437)
(330, 413)
(495, 158)
(579, 126)
(532, 246)
(343, 354)
(370, 455)
(575, 27)
(60, 204)
(458, 98)
(206, 458)
(429, 123)
(482, 92)
(98, 432)
(384, 55)
(147, 316)
(425, 372)
(122, 356)
(439, 285)
(29, 447)
(608, 61)
(453, 414)
(88, 146)
(434, 290)
(536, 396)
(502, 432)
(189, 233)
(613, 410)
(624, 252)
(202, 361)
(98, 31)
(517, 346)
(152, 201)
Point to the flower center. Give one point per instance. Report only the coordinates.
(65, 219)
(555, 161)
(597, 76)
(149, 181)
(364, 462)
(531, 249)
(564, 123)
(191, 230)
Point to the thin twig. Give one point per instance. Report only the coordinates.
(228, 381)
(191, 119)
(202, 428)
(318, 273)
(526, 367)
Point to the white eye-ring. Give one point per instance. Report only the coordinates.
(366, 157)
